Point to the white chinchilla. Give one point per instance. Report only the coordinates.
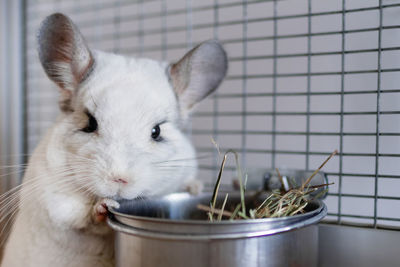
(119, 136)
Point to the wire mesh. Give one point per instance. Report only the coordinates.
(306, 77)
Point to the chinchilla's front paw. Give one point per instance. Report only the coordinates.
(194, 187)
(100, 209)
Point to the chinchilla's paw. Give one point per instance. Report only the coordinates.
(100, 209)
(194, 187)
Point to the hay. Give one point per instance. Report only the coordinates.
(279, 203)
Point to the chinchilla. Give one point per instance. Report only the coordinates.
(119, 135)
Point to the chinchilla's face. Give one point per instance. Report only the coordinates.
(120, 131)
(126, 120)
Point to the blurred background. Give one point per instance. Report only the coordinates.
(305, 77)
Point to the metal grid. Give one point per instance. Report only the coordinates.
(306, 77)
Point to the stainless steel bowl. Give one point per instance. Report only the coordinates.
(171, 231)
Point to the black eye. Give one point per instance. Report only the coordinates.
(91, 125)
(155, 133)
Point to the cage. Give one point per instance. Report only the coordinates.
(305, 77)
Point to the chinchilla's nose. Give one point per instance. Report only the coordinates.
(120, 180)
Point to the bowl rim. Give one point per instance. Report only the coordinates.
(114, 214)
(121, 228)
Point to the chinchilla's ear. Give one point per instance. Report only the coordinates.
(198, 74)
(64, 55)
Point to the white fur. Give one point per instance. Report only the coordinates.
(128, 97)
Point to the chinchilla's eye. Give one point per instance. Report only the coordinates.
(155, 133)
(91, 124)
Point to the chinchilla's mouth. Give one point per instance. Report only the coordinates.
(120, 199)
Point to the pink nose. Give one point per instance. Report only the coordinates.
(120, 180)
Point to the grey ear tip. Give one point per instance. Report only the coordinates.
(50, 22)
(217, 46)
(55, 18)
(57, 15)
(53, 21)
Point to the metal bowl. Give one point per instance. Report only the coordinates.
(171, 231)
